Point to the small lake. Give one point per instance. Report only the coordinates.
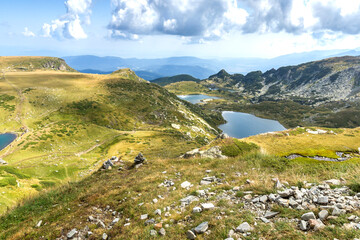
(241, 125)
(6, 139)
(196, 98)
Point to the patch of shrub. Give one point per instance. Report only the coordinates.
(236, 148)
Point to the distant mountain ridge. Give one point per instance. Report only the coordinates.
(151, 69)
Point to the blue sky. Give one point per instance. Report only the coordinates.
(163, 28)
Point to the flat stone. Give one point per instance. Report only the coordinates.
(323, 214)
(244, 228)
(265, 220)
(144, 216)
(207, 206)
(116, 220)
(308, 216)
(190, 234)
(39, 224)
(270, 214)
(149, 222)
(333, 182)
(201, 228)
(186, 184)
(189, 199)
(323, 200)
(72, 233)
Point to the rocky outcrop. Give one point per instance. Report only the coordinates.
(213, 152)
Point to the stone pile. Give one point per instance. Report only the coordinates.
(139, 159)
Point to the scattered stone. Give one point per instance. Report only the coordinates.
(265, 220)
(104, 236)
(155, 200)
(323, 214)
(244, 228)
(116, 220)
(157, 212)
(308, 216)
(189, 199)
(2, 162)
(197, 210)
(158, 225)
(153, 232)
(39, 224)
(72, 233)
(162, 232)
(303, 225)
(108, 164)
(336, 212)
(207, 206)
(201, 228)
(333, 182)
(190, 234)
(323, 200)
(270, 214)
(186, 184)
(139, 159)
(144, 216)
(149, 222)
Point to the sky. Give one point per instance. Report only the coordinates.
(165, 28)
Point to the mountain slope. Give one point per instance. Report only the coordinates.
(178, 78)
(33, 63)
(330, 80)
(67, 122)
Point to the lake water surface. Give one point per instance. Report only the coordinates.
(6, 139)
(241, 125)
(196, 98)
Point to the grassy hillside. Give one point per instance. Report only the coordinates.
(67, 123)
(130, 193)
(178, 78)
(14, 64)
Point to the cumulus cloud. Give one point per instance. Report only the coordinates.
(28, 33)
(201, 20)
(70, 25)
(188, 18)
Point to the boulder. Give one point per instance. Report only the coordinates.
(162, 232)
(108, 164)
(139, 159)
(197, 209)
(308, 216)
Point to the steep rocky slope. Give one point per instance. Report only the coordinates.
(329, 80)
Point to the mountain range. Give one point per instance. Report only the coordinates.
(151, 69)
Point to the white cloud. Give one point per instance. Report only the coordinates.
(70, 25)
(28, 33)
(197, 19)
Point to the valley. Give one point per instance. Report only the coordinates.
(56, 183)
